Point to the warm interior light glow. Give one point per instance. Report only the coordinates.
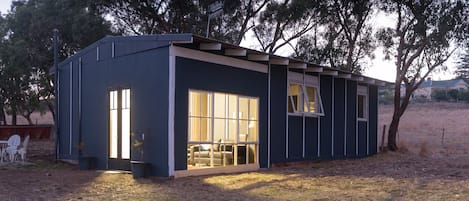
(113, 125)
(222, 130)
(125, 124)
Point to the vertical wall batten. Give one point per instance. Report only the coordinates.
(368, 120)
(79, 101)
(333, 115)
(171, 109)
(97, 53)
(319, 119)
(356, 121)
(345, 124)
(268, 115)
(286, 114)
(113, 50)
(71, 109)
(303, 124)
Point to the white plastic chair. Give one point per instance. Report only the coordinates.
(24, 149)
(12, 148)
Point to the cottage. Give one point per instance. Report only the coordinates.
(203, 106)
(429, 86)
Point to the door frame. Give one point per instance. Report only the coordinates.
(118, 163)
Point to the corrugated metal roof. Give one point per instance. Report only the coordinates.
(218, 47)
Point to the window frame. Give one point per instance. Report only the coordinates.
(304, 81)
(362, 91)
(228, 117)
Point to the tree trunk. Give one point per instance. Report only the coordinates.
(52, 110)
(13, 117)
(28, 118)
(3, 119)
(392, 133)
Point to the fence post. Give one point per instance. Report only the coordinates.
(382, 138)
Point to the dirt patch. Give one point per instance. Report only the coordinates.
(428, 170)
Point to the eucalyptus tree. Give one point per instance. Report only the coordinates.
(29, 47)
(344, 40)
(284, 22)
(462, 70)
(137, 17)
(425, 35)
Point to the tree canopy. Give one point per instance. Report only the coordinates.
(27, 48)
(343, 41)
(425, 35)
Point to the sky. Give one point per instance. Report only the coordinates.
(377, 68)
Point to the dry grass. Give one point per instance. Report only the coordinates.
(420, 173)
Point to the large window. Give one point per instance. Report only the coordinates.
(223, 129)
(303, 96)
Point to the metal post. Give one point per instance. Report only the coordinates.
(56, 96)
(208, 26)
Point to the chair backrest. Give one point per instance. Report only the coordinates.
(25, 143)
(14, 141)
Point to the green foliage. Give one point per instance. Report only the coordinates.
(344, 40)
(462, 70)
(385, 96)
(182, 16)
(284, 21)
(27, 47)
(463, 95)
(455, 95)
(439, 95)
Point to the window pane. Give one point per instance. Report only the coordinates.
(243, 108)
(232, 130)
(294, 101)
(232, 106)
(253, 109)
(219, 129)
(206, 129)
(113, 134)
(243, 130)
(206, 105)
(252, 154)
(194, 103)
(252, 134)
(311, 92)
(113, 124)
(194, 129)
(220, 105)
(126, 134)
(361, 106)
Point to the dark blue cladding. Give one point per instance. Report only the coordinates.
(339, 117)
(326, 120)
(295, 138)
(311, 138)
(278, 113)
(373, 119)
(351, 124)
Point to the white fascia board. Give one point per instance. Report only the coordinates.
(370, 81)
(314, 69)
(258, 57)
(283, 62)
(210, 46)
(297, 65)
(357, 78)
(345, 75)
(235, 52)
(218, 59)
(330, 72)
